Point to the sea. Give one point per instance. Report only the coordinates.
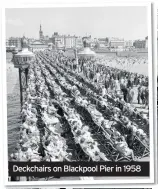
(13, 104)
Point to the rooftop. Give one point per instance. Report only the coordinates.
(37, 42)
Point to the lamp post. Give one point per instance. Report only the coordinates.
(76, 56)
(22, 61)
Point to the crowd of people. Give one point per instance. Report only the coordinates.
(132, 86)
(81, 105)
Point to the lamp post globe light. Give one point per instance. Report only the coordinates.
(22, 61)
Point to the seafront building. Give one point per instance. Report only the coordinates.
(79, 42)
(65, 41)
(103, 42)
(128, 43)
(70, 41)
(60, 41)
(116, 42)
(14, 41)
(38, 45)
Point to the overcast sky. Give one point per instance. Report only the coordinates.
(124, 22)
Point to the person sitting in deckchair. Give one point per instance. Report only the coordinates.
(123, 148)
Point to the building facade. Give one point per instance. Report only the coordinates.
(79, 43)
(38, 46)
(116, 43)
(70, 41)
(58, 40)
(103, 42)
(64, 41)
(14, 41)
(129, 43)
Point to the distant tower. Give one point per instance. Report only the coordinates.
(40, 33)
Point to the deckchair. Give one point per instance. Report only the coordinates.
(140, 149)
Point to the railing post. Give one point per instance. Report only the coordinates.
(21, 90)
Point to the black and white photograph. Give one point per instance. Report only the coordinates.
(78, 85)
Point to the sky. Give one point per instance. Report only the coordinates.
(129, 23)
